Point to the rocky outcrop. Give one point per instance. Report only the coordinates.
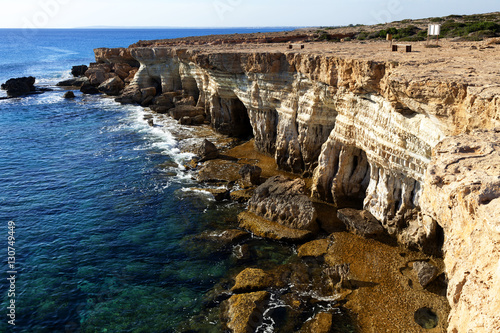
(283, 200)
(462, 193)
(21, 86)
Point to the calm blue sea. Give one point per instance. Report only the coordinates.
(104, 218)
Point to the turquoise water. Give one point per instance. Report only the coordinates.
(103, 237)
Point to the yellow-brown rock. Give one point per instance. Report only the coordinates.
(252, 279)
(245, 311)
(462, 193)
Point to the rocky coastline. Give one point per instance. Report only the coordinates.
(381, 169)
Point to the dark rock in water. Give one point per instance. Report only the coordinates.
(283, 200)
(208, 151)
(360, 222)
(426, 272)
(98, 73)
(185, 120)
(250, 175)
(77, 71)
(19, 86)
(131, 94)
(151, 122)
(69, 95)
(112, 86)
(87, 88)
(76, 82)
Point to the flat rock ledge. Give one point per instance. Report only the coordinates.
(259, 226)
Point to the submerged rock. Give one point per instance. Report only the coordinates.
(69, 95)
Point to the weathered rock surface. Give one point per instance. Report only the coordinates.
(314, 248)
(426, 272)
(112, 86)
(360, 222)
(283, 200)
(75, 82)
(207, 151)
(270, 229)
(250, 175)
(245, 311)
(219, 171)
(321, 323)
(252, 279)
(462, 193)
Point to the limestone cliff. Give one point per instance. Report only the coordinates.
(462, 192)
(364, 125)
(362, 128)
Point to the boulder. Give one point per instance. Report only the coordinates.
(165, 99)
(112, 86)
(181, 100)
(198, 120)
(19, 86)
(426, 272)
(219, 171)
(88, 88)
(252, 279)
(250, 175)
(207, 151)
(131, 94)
(185, 110)
(77, 71)
(185, 120)
(74, 82)
(269, 229)
(360, 222)
(245, 311)
(282, 200)
(69, 95)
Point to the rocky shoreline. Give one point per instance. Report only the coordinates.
(378, 169)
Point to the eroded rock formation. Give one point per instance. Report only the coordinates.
(365, 128)
(462, 193)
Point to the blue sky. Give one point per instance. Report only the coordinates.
(226, 13)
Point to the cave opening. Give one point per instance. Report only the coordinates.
(232, 118)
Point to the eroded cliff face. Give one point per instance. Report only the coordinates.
(362, 129)
(462, 192)
(365, 131)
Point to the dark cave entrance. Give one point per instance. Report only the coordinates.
(230, 117)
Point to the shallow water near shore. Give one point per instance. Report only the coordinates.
(101, 224)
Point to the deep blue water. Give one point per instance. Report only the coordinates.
(104, 230)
